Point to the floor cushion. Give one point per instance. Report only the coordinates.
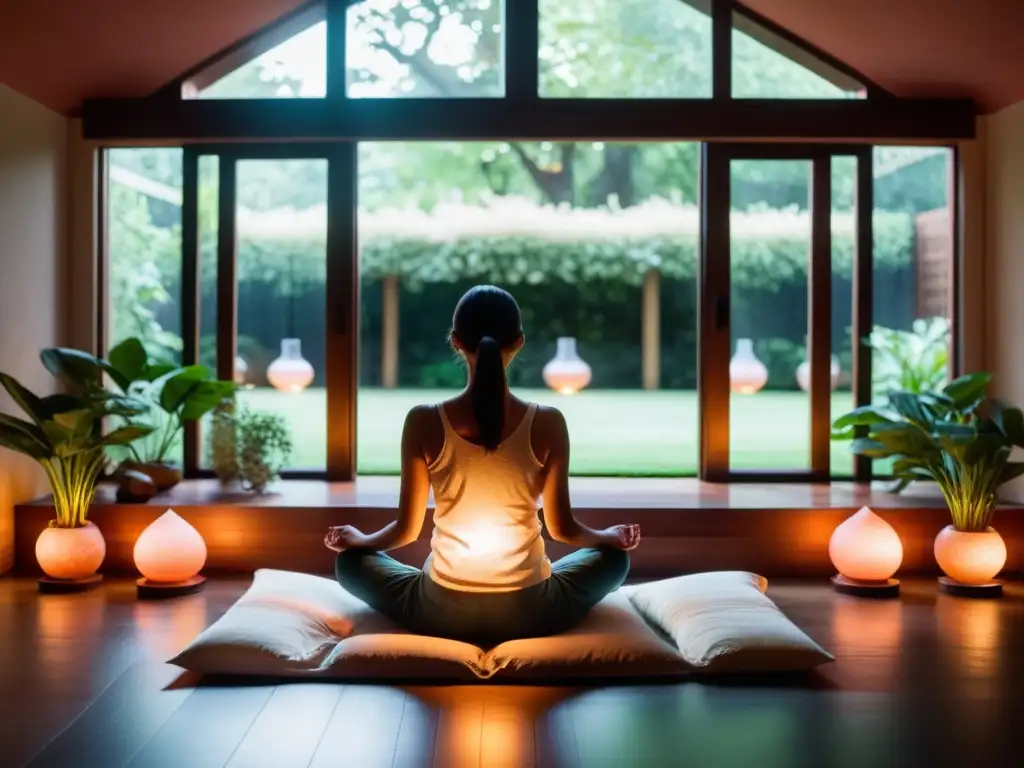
(291, 625)
(724, 622)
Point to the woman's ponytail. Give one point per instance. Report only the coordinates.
(488, 392)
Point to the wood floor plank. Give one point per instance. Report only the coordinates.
(289, 729)
(417, 734)
(121, 720)
(507, 733)
(363, 729)
(206, 730)
(459, 730)
(555, 738)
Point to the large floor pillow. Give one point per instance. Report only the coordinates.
(290, 624)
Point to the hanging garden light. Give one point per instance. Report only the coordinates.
(566, 372)
(291, 372)
(747, 374)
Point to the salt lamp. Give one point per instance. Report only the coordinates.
(169, 554)
(747, 374)
(291, 372)
(866, 551)
(566, 372)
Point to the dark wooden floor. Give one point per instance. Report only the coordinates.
(928, 680)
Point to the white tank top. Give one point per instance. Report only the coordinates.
(487, 532)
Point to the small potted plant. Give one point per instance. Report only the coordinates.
(264, 446)
(961, 440)
(174, 394)
(63, 435)
(224, 444)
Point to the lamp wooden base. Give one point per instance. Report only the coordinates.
(876, 589)
(49, 586)
(956, 589)
(161, 590)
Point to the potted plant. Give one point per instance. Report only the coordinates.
(264, 446)
(173, 393)
(63, 435)
(960, 439)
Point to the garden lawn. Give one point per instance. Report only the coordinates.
(613, 432)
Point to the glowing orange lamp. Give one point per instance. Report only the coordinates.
(866, 551)
(169, 554)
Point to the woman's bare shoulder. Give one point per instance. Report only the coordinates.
(548, 434)
(422, 416)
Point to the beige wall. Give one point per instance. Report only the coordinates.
(33, 168)
(1004, 255)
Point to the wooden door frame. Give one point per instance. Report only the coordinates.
(342, 300)
(715, 345)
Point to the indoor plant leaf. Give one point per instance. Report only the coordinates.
(126, 434)
(176, 391)
(863, 416)
(967, 391)
(80, 368)
(129, 358)
(32, 406)
(24, 437)
(19, 442)
(1011, 471)
(865, 446)
(204, 398)
(1010, 421)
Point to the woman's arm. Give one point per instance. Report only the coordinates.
(412, 499)
(558, 516)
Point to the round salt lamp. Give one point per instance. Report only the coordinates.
(170, 552)
(291, 372)
(865, 549)
(566, 372)
(970, 558)
(747, 374)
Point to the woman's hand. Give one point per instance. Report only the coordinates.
(625, 537)
(342, 537)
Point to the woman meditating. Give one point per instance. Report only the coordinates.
(489, 457)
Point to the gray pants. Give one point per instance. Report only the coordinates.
(411, 599)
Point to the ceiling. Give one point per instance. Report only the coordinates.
(60, 52)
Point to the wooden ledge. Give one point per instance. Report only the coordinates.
(588, 493)
(775, 530)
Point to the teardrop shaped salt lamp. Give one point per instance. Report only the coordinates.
(169, 554)
(866, 551)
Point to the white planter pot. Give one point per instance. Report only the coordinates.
(71, 553)
(970, 558)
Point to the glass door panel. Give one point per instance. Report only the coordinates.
(783, 240)
(769, 249)
(281, 278)
(844, 228)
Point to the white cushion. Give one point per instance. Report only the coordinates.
(724, 622)
(292, 624)
(612, 641)
(285, 623)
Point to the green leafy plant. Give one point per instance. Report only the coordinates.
(911, 361)
(63, 435)
(264, 446)
(957, 437)
(174, 394)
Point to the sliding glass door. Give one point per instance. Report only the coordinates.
(264, 242)
(787, 235)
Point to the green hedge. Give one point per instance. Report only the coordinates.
(757, 262)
